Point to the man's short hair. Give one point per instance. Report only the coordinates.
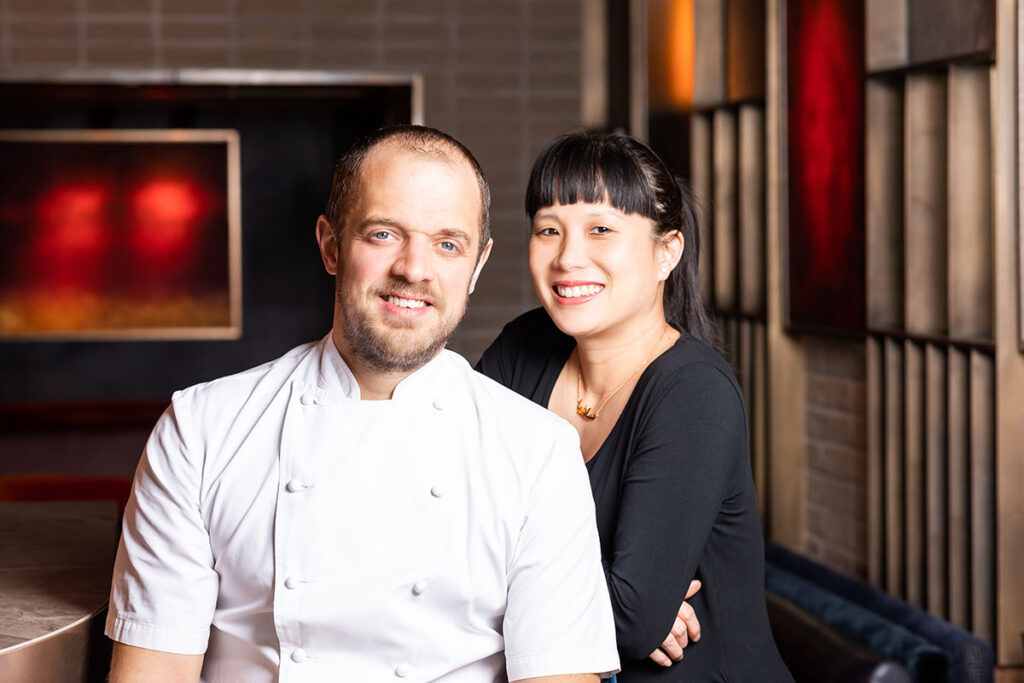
(422, 139)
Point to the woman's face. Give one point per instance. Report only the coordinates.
(598, 270)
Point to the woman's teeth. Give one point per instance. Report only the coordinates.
(573, 292)
(405, 303)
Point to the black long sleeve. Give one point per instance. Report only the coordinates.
(674, 496)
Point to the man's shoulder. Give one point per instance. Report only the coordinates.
(511, 411)
(242, 386)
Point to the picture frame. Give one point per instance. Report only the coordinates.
(120, 235)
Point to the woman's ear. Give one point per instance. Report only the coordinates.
(670, 250)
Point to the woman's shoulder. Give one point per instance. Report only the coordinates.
(524, 350)
(691, 370)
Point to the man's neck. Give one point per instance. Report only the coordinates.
(374, 384)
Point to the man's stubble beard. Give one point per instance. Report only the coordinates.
(378, 351)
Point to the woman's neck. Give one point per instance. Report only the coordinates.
(605, 360)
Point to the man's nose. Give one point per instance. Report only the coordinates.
(413, 263)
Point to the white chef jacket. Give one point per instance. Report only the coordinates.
(293, 532)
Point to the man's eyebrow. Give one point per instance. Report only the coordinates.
(379, 220)
(457, 234)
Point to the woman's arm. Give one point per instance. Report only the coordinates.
(687, 443)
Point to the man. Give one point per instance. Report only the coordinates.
(367, 507)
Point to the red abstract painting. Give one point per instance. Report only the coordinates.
(107, 235)
(825, 268)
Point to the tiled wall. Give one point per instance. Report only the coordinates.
(836, 454)
(501, 75)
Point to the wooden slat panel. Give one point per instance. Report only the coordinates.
(925, 205)
(876, 460)
(886, 37)
(894, 454)
(935, 473)
(751, 210)
(759, 422)
(946, 29)
(983, 503)
(970, 203)
(745, 22)
(913, 475)
(959, 490)
(745, 361)
(725, 161)
(709, 38)
(884, 211)
(701, 174)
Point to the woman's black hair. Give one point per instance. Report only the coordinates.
(593, 166)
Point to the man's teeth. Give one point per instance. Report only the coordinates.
(582, 290)
(406, 303)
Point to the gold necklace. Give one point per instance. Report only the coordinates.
(584, 411)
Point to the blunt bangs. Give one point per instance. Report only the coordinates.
(586, 167)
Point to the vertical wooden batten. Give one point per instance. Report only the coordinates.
(876, 499)
(710, 42)
(970, 203)
(759, 425)
(895, 549)
(959, 496)
(725, 181)
(886, 44)
(701, 174)
(925, 205)
(983, 489)
(751, 210)
(935, 479)
(787, 383)
(1009, 361)
(913, 473)
(884, 210)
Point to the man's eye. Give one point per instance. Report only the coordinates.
(382, 235)
(449, 246)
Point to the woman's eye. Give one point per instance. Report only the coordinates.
(600, 230)
(547, 231)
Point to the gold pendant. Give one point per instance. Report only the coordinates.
(584, 411)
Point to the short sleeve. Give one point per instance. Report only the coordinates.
(164, 589)
(558, 619)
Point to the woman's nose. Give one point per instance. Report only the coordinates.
(571, 253)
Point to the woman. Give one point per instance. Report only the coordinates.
(623, 350)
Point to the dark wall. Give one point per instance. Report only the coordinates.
(290, 140)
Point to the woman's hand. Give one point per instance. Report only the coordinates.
(685, 629)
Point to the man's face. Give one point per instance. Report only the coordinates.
(407, 259)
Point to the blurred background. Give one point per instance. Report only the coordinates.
(855, 165)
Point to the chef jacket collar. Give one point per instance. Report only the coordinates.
(335, 375)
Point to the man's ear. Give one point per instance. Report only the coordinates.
(328, 242)
(480, 264)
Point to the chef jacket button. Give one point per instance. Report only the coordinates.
(437, 490)
(403, 670)
(308, 399)
(439, 404)
(419, 587)
(299, 655)
(291, 582)
(295, 485)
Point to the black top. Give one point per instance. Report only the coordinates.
(675, 500)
